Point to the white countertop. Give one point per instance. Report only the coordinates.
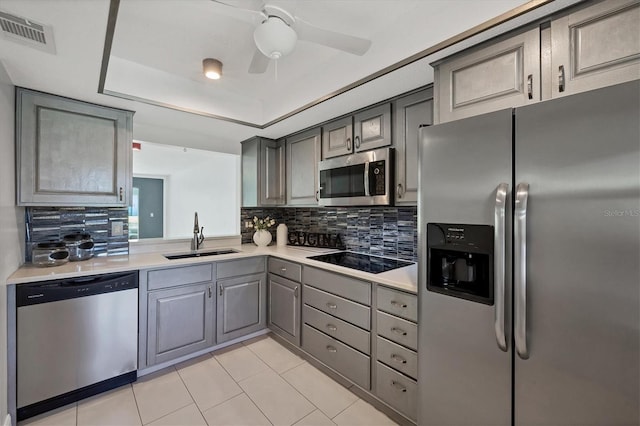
(405, 278)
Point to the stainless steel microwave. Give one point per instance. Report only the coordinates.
(362, 179)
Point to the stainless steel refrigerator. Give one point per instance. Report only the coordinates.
(529, 276)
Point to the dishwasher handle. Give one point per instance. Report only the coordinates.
(70, 288)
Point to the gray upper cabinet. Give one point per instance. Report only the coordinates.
(372, 128)
(337, 138)
(303, 155)
(502, 75)
(71, 153)
(263, 173)
(410, 111)
(595, 47)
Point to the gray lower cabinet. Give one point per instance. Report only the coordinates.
(242, 299)
(176, 312)
(71, 153)
(410, 112)
(180, 322)
(283, 299)
(303, 155)
(396, 365)
(336, 320)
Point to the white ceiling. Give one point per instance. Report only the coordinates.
(158, 47)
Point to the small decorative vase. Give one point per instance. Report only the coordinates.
(262, 238)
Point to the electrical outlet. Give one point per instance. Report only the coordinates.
(117, 228)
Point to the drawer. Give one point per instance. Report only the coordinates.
(286, 269)
(397, 390)
(398, 330)
(338, 307)
(172, 277)
(397, 303)
(350, 288)
(338, 329)
(398, 357)
(234, 268)
(352, 364)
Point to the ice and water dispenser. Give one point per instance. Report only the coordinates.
(460, 261)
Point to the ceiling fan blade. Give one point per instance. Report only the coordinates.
(259, 63)
(347, 43)
(251, 14)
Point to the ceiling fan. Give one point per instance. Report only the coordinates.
(278, 31)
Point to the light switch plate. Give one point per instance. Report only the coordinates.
(117, 228)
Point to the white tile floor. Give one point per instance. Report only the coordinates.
(258, 382)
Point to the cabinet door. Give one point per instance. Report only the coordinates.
(502, 75)
(250, 164)
(272, 172)
(284, 308)
(303, 154)
(595, 47)
(372, 128)
(179, 322)
(241, 306)
(337, 138)
(71, 153)
(410, 112)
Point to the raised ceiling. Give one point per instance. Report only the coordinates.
(154, 65)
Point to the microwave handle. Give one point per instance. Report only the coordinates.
(367, 191)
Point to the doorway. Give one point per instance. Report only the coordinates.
(148, 196)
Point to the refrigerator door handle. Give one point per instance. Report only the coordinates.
(520, 269)
(499, 264)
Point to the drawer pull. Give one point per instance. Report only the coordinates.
(398, 304)
(332, 349)
(398, 358)
(398, 386)
(332, 305)
(399, 331)
(331, 327)
(283, 269)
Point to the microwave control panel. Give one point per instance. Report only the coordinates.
(377, 177)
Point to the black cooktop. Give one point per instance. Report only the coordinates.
(362, 262)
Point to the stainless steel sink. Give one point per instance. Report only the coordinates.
(199, 254)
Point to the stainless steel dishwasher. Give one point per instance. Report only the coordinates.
(75, 338)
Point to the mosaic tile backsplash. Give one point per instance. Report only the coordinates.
(380, 231)
(45, 224)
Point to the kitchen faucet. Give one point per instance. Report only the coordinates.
(198, 236)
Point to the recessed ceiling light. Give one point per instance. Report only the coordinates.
(212, 68)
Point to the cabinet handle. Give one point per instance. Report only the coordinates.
(283, 269)
(318, 195)
(121, 192)
(331, 327)
(398, 358)
(220, 290)
(398, 304)
(349, 144)
(332, 305)
(210, 292)
(561, 78)
(332, 349)
(530, 86)
(399, 190)
(357, 141)
(399, 331)
(295, 292)
(398, 386)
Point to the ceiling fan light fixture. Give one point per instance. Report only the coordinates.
(274, 38)
(212, 68)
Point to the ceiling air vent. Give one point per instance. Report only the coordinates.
(26, 31)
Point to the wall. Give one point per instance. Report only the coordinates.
(11, 220)
(381, 231)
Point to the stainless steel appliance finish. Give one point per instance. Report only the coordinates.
(71, 335)
(361, 179)
(569, 308)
